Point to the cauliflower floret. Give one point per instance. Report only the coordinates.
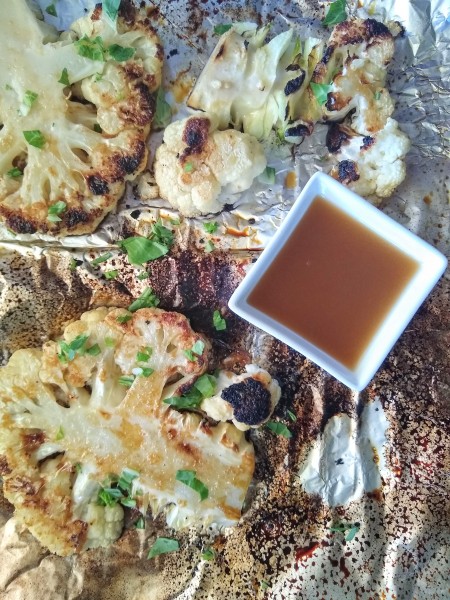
(248, 400)
(86, 416)
(371, 165)
(74, 117)
(195, 163)
(354, 64)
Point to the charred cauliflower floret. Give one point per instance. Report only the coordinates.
(248, 400)
(84, 431)
(369, 164)
(74, 117)
(196, 163)
(354, 65)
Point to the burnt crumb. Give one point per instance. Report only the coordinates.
(75, 216)
(129, 164)
(294, 84)
(298, 130)
(367, 142)
(336, 136)
(336, 102)
(135, 214)
(327, 54)
(20, 225)
(97, 12)
(173, 52)
(250, 400)
(97, 185)
(347, 171)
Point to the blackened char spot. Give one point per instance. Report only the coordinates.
(97, 185)
(293, 67)
(220, 52)
(348, 171)
(336, 137)
(75, 216)
(127, 11)
(129, 164)
(297, 131)
(294, 84)
(97, 12)
(327, 54)
(367, 142)
(195, 135)
(250, 400)
(20, 225)
(375, 28)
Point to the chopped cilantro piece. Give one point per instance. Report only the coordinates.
(162, 234)
(209, 246)
(188, 167)
(142, 356)
(143, 275)
(208, 554)
(223, 28)
(111, 8)
(140, 523)
(218, 321)
(141, 249)
(188, 478)
(59, 434)
(124, 318)
(111, 274)
(292, 416)
(35, 138)
(336, 13)
(93, 350)
(147, 371)
(126, 479)
(126, 380)
(279, 429)
(196, 350)
(28, 100)
(119, 53)
(101, 258)
(343, 528)
(206, 385)
(92, 48)
(14, 172)
(73, 264)
(377, 95)
(64, 79)
(264, 585)
(267, 176)
(67, 351)
(51, 10)
(163, 112)
(54, 210)
(211, 227)
(147, 299)
(163, 545)
(320, 91)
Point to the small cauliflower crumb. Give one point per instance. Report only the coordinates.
(196, 163)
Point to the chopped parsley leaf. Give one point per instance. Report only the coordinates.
(208, 554)
(124, 318)
(111, 274)
(141, 249)
(92, 48)
(320, 91)
(218, 321)
(336, 13)
(60, 434)
(126, 380)
(101, 258)
(111, 8)
(188, 478)
(35, 138)
(211, 227)
(14, 173)
(120, 53)
(147, 299)
(223, 28)
(54, 210)
(163, 112)
(279, 429)
(188, 167)
(64, 79)
(51, 10)
(163, 545)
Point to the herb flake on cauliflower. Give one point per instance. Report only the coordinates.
(75, 113)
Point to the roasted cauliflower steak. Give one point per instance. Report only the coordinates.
(75, 113)
(89, 410)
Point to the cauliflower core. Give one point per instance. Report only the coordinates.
(196, 163)
(91, 405)
(74, 117)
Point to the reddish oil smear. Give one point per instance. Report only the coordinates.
(238, 232)
(290, 180)
(376, 495)
(343, 568)
(305, 553)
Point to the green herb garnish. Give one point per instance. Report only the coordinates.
(141, 249)
(93, 350)
(218, 321)
(162, 234)
(51, 10)
(101, 258)
(73, 264)
(343, 528)
(140, 523)
(264, 585)
(147, 299)
(35, 138)
(209, 246)
(54, 210)
(163, 112)
(163, 545)
(78, 467)
(111, 274)
(336, 13)
(188, 167)
(28, 100)
(67, 351)
(206, 385)
(196, 350)
(211, 227)
(188, 478)
(292, 416)
(129, 502)
(220, 29)
(59, 434)
(110, 342)
(14, 173)
(143, 275)
(108, 496)
(208, 554)
(124, 318)
(92, 48)
(377, 95)
(147, 371)
(267, 176)
(143, 356)
(64, 79)
(97, 128)
(126, 479)
(175, 221)
(126, 380)
(320, 91)
(120, 53)
(279, 429)
(111, 8)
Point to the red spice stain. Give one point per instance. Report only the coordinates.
(239, 232)
(305, 553)
(343, 568)
(290, 180)
(376, 495)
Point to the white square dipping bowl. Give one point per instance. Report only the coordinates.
(431, 265)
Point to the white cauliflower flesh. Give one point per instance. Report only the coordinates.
(370, 164)
(196, 163)
(74, 117)
(84, 431)
(352, 74)
(248, 400)
(257, 86)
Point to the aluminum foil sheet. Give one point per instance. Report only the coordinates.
(356, 503)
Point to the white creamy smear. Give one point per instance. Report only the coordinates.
(348, 458)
